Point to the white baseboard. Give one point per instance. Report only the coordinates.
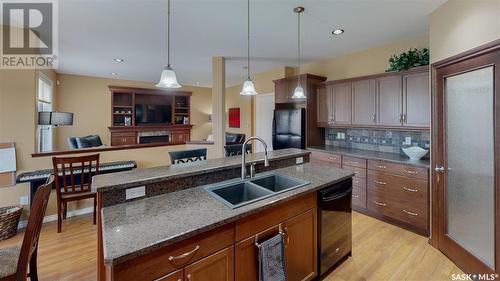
(74, 213)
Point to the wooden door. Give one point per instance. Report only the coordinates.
(323, 111)
(466, 151)
(390, 101)
(174, 276)
(246, 255)
(363, 99)
(416, 100)
(301, 246)
(281, 91)
(217, 267)
(342, 103)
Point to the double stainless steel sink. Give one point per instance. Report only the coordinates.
(242, 192)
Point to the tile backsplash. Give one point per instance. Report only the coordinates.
(378, 140)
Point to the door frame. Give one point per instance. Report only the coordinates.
(479, 57)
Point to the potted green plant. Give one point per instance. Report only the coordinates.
(411, 58)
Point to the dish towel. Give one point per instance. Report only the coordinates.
(272, 259)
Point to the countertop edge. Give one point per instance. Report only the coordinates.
(144, 181)
(408, 162)
(172, 240)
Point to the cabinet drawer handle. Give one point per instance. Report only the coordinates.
(380, 182)
(185, 255)
(353, 162)
(381, 166)
(411, 172)
(410, 213)
(332, 158)
(380, 204)
(410, 189)
(355, 196)
(355, 181)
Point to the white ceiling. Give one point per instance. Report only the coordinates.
(93, 32)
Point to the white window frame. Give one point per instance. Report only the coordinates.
(45, 137)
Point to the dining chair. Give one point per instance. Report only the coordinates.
(235, 149)
(74, 182)
(185, 156)
(15, 261)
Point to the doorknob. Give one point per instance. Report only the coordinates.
(439, 169)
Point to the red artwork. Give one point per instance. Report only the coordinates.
(234, 117)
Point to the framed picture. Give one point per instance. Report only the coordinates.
(234, 117)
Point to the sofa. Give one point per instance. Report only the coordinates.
(84, 142)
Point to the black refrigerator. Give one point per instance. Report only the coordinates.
(289, 128)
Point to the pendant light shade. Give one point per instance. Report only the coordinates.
(298, 93)
(248, 88)
(168, 79)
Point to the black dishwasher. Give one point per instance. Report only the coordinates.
(334, 224)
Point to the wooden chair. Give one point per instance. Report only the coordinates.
(14, 262)
(235, 149)
(186, 156)
(74, 182)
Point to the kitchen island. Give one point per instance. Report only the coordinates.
(187, 233)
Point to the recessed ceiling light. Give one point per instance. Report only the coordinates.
(337, 31)
(197, 83)
(114, 73)
(118, 60)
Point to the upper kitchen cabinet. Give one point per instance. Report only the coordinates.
(284, 88)
(416, 97)
(324, 102)
(389, 101)
(342, 102)
(363, 102)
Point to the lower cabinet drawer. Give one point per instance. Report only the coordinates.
(357, 181)
(333, 158)
(408, 212)
(399, 188)
(359, 196)
(170, 258)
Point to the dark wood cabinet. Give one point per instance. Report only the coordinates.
(300, 246)
(174, 276)
(389, 101)
(363, 99)
(281, 91)
(416, 99)
(219, 266)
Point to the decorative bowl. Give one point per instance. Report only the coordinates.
(415, 152)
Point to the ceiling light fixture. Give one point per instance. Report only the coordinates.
(298, 93)
(168, 79)
(118, 60)
(338, 31)
(248, 88)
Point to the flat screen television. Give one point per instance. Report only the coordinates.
(152, 114)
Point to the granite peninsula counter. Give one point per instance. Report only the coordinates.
(136, 228)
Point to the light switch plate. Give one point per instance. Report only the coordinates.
(135, 192)
(23, 200)
(299, 160)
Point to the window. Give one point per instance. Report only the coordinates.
(44, 103)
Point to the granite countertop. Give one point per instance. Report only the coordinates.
(374, 155)
(139, 227)
(138, 177)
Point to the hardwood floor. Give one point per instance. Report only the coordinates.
(380, 252)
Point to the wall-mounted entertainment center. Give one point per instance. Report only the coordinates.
(149, 116)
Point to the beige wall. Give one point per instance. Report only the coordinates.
(263, 82)
(461, 25)
(90, 101)
(371, 61)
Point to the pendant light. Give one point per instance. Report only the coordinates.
(168, 79)
(248, 88)
(298, 93)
